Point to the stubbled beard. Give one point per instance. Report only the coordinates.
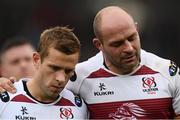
(124, 68)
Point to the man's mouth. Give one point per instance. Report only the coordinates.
(129, 58)
(57, 88)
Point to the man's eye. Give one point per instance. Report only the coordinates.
(28, 59)
(15, 62)
(131, 38)
(116, 44)
(55, 68)
(68, 71)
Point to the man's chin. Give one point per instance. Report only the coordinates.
(54, 94)
(131, 65)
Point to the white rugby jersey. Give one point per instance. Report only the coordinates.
(21, 106)
(151, 91)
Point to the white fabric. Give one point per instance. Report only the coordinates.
(128, 90)
(34, 110)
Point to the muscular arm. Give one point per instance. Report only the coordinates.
(7, 85)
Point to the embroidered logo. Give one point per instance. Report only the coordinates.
(102, 86)
(4, 97)
(149, 84)
(25, 115)
(66, 113)
(78, 101)
(128, 111)
(173, 68)
(24, 110)
(103, 90)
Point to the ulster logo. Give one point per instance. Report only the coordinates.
(66, 113)
(149, 84)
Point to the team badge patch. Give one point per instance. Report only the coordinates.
(78, 101)
(66, 113)
(173, 68)
(4, 97)
(74, 77)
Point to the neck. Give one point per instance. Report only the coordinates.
(37, 93)
(119, 70)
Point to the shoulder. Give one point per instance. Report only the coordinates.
(83, 69)
(75, 99)
(6, 96)
(75, 102)
(164, 66)
(91, 63)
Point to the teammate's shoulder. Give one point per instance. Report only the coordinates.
(92, 62)
(74, 98)
(83, 69)
(6, 96)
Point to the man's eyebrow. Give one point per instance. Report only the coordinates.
(55, 67)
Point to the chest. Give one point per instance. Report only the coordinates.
(132, 97)
(33, 111)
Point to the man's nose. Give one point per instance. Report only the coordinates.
(23, 64)
(61, 76)
(128, 46)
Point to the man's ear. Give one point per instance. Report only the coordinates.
(36, 60)
(137, 26)
(98, 44)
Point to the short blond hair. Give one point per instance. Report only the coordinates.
(60, 38)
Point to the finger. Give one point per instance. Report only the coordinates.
(9, 88)
(2, 90)
(10, 83)
(13, 79)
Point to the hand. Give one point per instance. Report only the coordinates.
(7, 85)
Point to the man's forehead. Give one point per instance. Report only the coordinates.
(19, 49)
(56, 57)
(17, 52)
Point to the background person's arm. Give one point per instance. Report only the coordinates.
(7, 84)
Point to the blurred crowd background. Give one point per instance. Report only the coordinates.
(159, 21)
